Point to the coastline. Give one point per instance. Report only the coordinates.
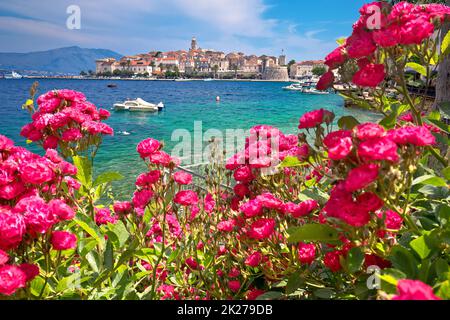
(152, 79)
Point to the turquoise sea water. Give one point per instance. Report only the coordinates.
(242, 105)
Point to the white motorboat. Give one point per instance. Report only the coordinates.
(294, 87)
(13, 75)
(136, 105)
(209, 79)
(314, 91)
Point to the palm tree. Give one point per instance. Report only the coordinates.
(215, 69)
(235, 68)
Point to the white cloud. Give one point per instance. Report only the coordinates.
(129, 26)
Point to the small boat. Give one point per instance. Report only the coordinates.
(136, 105)
(314, 91)
(112, 85)
(160, 106)
(13, 75)
(294, 87)
(182, 80)
(209, 79)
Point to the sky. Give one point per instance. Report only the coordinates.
(305, 29)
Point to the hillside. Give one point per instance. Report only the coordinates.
(69, 60)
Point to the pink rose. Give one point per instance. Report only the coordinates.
(72, 134)
(103, 216)
(269, 201)
(142, 198)
(12, 229)
(31, 271)
(414, 290)
(252, 208)
(254, 259)
(122, 207)
(369, 130)
(186, 198)
(234, 285)
(336, 58)
(243, 174)
(314, 118)
(360, 44)
(209, 204)
(161, 158)
(326, 81)
(182, 178)
(148, 179)
(62, 240)
(4, 257)
(61, 209)
(392, 220)
(51, 142)
(12, 278)
(306, 253)
(39, 217)
(332, 262)
(339, 144)
(261, 229)
(370, 75)
(36, 172)
(378, 149)
(361, 177)
(416, 30)
(147, 147)
(226, 226)
(416, 135)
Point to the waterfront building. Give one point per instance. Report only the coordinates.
(305, 68)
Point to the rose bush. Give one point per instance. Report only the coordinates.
(346, 212)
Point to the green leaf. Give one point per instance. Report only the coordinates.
(444, 290)
(107, 177)
(290, 162)
(270, 295)
(325, 293)
(404, 261)
(118, 234)
(355, 259)
(441, 125)
(313, 232)
(295, 281)
(347, 122)
(434, 192)
(341, 41)
(84, 171)
(430, 180)
(435, 115)
(67, 283)
(108, 256)
(91, 229)
(445, 46)
(93, 259)
(446, 173)
(418, 68)
(420, 246)
(445, 108)
(317, 195)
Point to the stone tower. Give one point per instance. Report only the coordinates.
(194, 45)
(282, 59)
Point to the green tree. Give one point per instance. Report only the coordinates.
(319, 70)
(215, 69)
(82, 73)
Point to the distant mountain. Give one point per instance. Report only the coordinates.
(69, 60)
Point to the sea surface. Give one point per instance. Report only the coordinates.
(242, 105)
